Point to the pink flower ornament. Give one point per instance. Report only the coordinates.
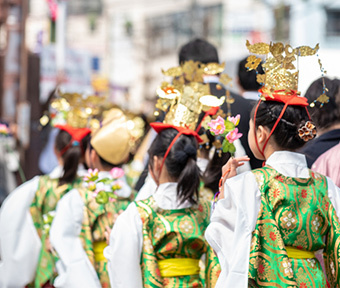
(217, 126)
(233, 135)
(92, 174)
(4, 129)
(117, 173)
(235, 120)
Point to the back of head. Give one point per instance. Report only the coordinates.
(329, 114)
(71, 155)
(180, 162)
(286, 134)
(112, 140)
(198, 50)
(247, 79)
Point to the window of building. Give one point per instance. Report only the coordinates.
(78, 7)
(168, 32)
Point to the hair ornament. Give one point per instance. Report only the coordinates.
(225, 133)
(280, 80)
(307, 131)
(186, 96)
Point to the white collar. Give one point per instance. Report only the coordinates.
(58, 171)
(166, 197)
(290, 164)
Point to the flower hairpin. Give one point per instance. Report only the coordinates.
(4, 130)
(307, 131)
(226, 133)
(104, 189)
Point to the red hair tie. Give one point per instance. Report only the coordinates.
(77, 134)
(291, 98)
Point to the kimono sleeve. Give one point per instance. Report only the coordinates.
(19, 241)
(124, 251)
(231, 227)
(74, 267)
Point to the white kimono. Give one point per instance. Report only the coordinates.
(19, 241)
(74, 267)
(234, 218)
(126, 239)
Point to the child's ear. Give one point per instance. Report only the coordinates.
(262, 134)
(94, 156)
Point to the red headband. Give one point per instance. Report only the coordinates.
(158, 127)
(77, 135)
(289, 98)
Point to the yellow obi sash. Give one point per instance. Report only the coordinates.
(295, 253)
(175, 267)
(98, 249)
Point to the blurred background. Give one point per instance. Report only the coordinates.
(119, 47)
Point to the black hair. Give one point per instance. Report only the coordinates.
(286, 133)
(71, 156)
(180, 162)
(329, 113)
(213, 172)
(198, 50)
(248, 78)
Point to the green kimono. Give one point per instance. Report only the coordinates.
(296, 219)
(173, 242)
(96, 218)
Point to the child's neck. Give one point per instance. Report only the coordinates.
(270, 149)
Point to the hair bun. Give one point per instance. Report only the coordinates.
(190, 151)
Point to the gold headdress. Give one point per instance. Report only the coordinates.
(116, 136)
(187, 96)
(280, 81)
(76, 110)
(281, 74)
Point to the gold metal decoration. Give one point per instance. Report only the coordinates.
(258, 48)
(306, 50)
(225, 79)
(77, 110)
(323, 98)
(187, 95)
(214, 68)
(252, 62)
(281, 74)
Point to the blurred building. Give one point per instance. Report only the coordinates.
(129, 42)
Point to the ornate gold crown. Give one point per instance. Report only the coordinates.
(187, 95)
(281, 75)
(76, 110)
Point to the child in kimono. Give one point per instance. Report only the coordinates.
(269, 223)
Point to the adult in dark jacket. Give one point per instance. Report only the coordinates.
(326, 118)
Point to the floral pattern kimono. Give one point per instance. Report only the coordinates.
(82, 222)
(277, 218)
(158, 242)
